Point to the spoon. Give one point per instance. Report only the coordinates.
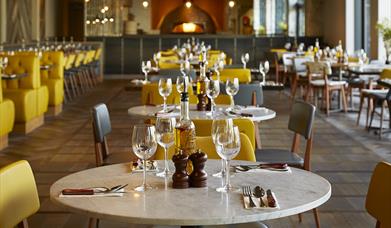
(259, 193)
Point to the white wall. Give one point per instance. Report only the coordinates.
(384, 11)
(349, 26)
(3, 21)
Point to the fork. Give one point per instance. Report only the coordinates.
(247, 192)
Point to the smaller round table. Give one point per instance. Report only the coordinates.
(296, 192)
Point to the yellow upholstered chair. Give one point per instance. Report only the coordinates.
(246, 126)
(243, 75)
(205, 144)
(150, 95)
(53, 78)
(168, 61)
(7, 118)
(386, 74)
(18, 194)
(30, 97)
(379, 195)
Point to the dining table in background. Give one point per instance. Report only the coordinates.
(296, 192)
(13, 76)
(259, 114)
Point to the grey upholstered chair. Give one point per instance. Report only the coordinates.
(300, 122)
(249, 94)
(101, 128)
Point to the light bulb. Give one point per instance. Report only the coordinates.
(88, 22)
(102, 10)
(87, 1)
(188, 4)
(231, 4)
(112, 19)
(106, 8)
(145, 4)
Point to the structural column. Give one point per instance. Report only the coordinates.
(3, 21)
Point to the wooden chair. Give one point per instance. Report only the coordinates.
(324, 85)
(287, 61)
(101, 128)
(300, 122)
(18, 194)
(382, 100)
(379, 195)
(300, 77)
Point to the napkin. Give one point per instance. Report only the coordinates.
(257, 202)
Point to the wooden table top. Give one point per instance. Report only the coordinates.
(296, 192)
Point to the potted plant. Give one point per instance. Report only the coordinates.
(384, 28)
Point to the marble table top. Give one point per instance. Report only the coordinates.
(258, 113)
(296, 192)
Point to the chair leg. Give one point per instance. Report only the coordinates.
(294, 88)
(372, 114)
(360, 109)
(369, 110)
(23, 224)
(381, 120)
(316, 216)
(300, 217)
(345, 105)
(327, 98)
(93, 223)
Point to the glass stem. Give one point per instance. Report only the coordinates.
(213, 106)
(165, 104)
(144, 173)
(227, 175)
(222, 167)
(146, 76)
(232, 101)
(166, 170)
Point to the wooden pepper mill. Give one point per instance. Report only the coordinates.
(180, 179)
(198, 178)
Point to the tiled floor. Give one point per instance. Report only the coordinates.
(64, 145)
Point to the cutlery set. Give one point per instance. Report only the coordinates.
(93, 191)
(280, 167)
(262, 199)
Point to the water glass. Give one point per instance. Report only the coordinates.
(180, 82)
(229, 140)
(245, 58)
(232, 88)
(144, 146)
(216, 125)
(165, 137)
(212, 91)
(146, 68)
(165, 89)
(264, 69)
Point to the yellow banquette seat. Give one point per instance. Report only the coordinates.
(30, 97)
(7, 117)
(53, 78)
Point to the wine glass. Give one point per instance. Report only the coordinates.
(156, 58)
(217, 124)
(3, 63)
(146, 68)
(144, 146)
(229, 141)
(165, 138)
(180, 81)
(264, 69)
(212, 91)
(232, 88)
(165, 89)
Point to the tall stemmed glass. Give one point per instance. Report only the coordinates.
(264, 69)
(165, 89)
(165, 137)
(245, 58)
(146, 68)
(144, 146)
(3, 63)
(212, 91)
(216, 125)
(229, 140)
(232, 88)
(156, 58)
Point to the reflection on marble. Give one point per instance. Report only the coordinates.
(297, 192)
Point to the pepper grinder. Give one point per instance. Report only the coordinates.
(198, 178)
(180, 179)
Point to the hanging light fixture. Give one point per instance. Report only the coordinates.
(231, 3)
(188, 4)
(145, 4)
(88, 22)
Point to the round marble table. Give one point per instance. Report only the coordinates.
(258, 113)
(296, 192)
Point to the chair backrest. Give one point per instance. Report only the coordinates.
(299, 63)
(18, 194)
(246, 126)
(287, 59)
(19, 64)
(205, 144)
(56, 59)
(249, 94)
(243, 75)
(379, 195)
(386, 74)
(150, 95)
(101, 122)
(302, 118)
(70, 60)
(318, 69)
(171, 73)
